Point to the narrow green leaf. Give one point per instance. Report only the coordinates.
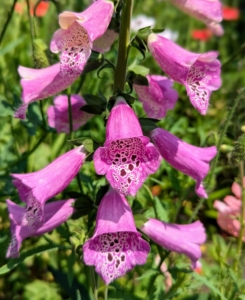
(14, 262)
(209, 284)
(148, 273)
(71, 262)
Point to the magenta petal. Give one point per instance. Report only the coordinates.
(185, 239)
(192, 161)
(38, 84)
(127, 163)
(103, 44)
(38, 187)
(158, 97)
(207, 11)
(116, 246)
(55, 213)
(121, 121)
(200, 73)
(58, 115)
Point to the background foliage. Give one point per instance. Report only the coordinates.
(26, 146)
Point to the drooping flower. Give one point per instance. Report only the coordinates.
(190, 160)
(230, 13)
(184, 239)
(38, 187)
(127, 157)
(58, 114)
(230, 210)
(116, 246)
(207, 11)
(201, 34)
(199, 73)
(75, 41)
(158, 96)
(55, 213)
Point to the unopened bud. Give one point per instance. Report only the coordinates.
(39, 55)
(238, 153)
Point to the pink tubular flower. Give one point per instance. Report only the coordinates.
(58, 115)
(38, 187)
(230, 210)
(55, 213)
(185, 239)
(199, 73)
(158, 96)
(207, 11)
(75, 41)
(127, 157)
(116, 246)
(190, 160)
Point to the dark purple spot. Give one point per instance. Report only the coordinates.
(123, 173)
(137, 163)
(124, 159)
(129, 180)
(134, 157)
(122, 258)
(116, 241)
(131, 167)
(111, 244)
(117, 250)
(117, 155)
(109, 256)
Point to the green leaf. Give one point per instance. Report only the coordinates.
(71, 262)
(161, 211)
(144, 32)
(11, 46)
(148, 273)
(6, 109)
(93, 109)
(14, 262)
(209, 284)
(147, 124)
(139, 70)
(89, 145)
(92, 99)
(83, 206)
(140, 220)
(158, 285)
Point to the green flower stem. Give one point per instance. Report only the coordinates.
(241, 232)
(7, 21)
(124, 42)
(220, 141)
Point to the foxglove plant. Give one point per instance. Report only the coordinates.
(75, 42)
(55, 213)
(36, 188)
(116, 246)
(127, 157)
(207, 11)
(188, 159)
(185, 239)
(199, 73)
(158, 97)
(58, 114)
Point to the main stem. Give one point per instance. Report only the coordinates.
(124, 42)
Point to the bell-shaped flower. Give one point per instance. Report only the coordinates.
(190, 160)
(58, 114)
(127, 157)
(199, 73)
(184, 239)
(116, 246)
(103, 44)
(158, 97)
(55, 213)
(38, 187)
(229, 211)
(75, 42)
(207, 11)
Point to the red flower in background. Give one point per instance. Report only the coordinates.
(41, 9)
(201, 34)
(230, 13)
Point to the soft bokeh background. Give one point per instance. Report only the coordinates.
(27, 146)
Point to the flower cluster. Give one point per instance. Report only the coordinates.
(127, 157)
